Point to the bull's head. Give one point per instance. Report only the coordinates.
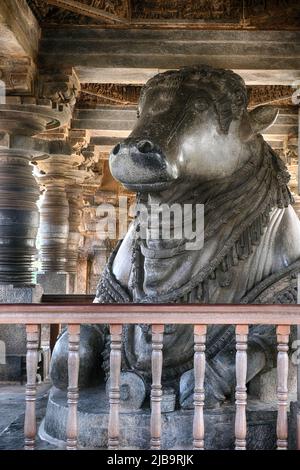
(193, 124)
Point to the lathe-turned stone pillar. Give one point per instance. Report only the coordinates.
(19, 217)
(20, 120)
(19, 192)
(58, 238)
(54, 226)
(75, 198)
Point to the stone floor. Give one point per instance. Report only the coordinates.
(12, 408)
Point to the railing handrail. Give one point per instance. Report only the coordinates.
(194, 314)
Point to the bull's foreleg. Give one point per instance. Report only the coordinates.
(90, 369)
(220, 378)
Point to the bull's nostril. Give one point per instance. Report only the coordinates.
(116, 149)
(145, 146)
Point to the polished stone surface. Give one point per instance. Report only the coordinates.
(54, 282)
(12, 420)
(12, 407)
(135, 425)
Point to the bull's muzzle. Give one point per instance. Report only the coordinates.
(141, 166)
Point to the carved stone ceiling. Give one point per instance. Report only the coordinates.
(95, 94)
(253, 14)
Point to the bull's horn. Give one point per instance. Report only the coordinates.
(257, 120)
(263, 117)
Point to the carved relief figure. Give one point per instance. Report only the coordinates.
(196, 142)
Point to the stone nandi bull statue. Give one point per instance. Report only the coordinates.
(196, 142)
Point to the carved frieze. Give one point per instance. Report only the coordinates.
(273, 94)
(94, 94)
(47, 13)
(186, 9)
(260, 14)
(61, 86)
(17, 74)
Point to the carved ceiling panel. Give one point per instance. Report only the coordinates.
(187, 9)
(260, 14)
(51, 14)
(95, 94)
(271, 94)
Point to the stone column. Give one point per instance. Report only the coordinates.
(74, 194)
(97, 246)
(20, 120)
(19, 217)
(19, 191)
(54, 226)
(61, 178)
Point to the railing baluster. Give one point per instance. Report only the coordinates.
(73, 392)
(114, 391)
(199, 394)
(156, 389)
(241, 389)
(32, 333)
(283, 332)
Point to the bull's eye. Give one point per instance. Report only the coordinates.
(201, 105)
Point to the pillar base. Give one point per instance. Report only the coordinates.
(93, 413)
(13, 337)
(54, 283)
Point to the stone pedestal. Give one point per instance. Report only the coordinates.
(54, 282)
(177, 425)
(13, 337)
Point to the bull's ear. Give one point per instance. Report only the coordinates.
(257, 120)
(263, 117)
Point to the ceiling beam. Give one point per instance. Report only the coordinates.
(19, 30)
(87, 10)
(132, 56)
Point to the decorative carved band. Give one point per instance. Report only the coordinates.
(95, 94)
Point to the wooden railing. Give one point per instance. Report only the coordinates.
(116, 315)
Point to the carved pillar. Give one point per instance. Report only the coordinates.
(90, 251)
(57, 174)
(20, 120)
(54, 227)
(74, 195)
(19, 191)
(19, 218)
(62, 177)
